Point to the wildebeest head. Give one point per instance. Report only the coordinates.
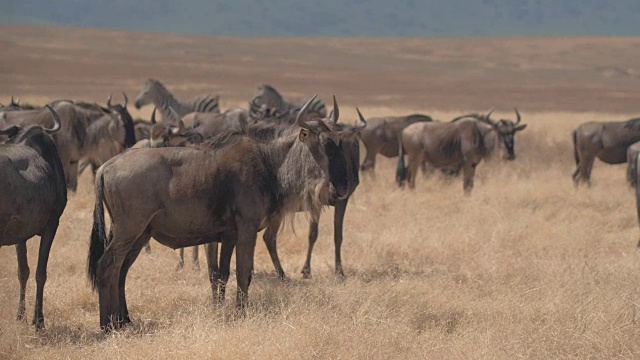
(506, 130)
(18, 134)
(127, 120)
(146, 97)
(330, 144)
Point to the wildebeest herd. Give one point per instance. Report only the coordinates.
(222, 177)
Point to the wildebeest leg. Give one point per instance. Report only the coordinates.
(126, 265)
(226, 250)
(369, 162)
(313, 236)
(147, 248)
(246, 245)
(23, 276)
(338, 220)
(414, 162)
(108, 274)
(270, 238)
(46, 240)
(194, 257)
(211, 253)
(180, 260)
(468, 172)
(583, 170)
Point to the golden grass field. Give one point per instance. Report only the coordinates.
(526, 267)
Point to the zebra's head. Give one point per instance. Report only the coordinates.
(148, 93)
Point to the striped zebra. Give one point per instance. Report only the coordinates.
(268, 103)
(168, 106)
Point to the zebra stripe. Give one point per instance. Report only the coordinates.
(156, 93)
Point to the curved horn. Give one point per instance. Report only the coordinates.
(517, 115)
(126, 99)
(109, 101)
(57, 124)
(489, 113)
(362, 120)
(153, 115)
(299, 120)
(335, 113)
(11, 131)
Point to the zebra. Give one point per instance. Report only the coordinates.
(268, 103)
(168, 106)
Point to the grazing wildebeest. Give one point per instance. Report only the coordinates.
(606, 140)
(632, 163)
(456, 144)
(268, 103)
(226, 190)
(498, 132)
(70, 140)
(381, 136)
(33, 199)
(155, 93)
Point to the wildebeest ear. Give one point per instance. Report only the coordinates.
(180, 127)
(520, 127)
(304, 134)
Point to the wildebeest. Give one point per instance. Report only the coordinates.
(498, 132)
(226, 190)
(108, 136)
(632, 163)
(606, 140)
(381, 136)
(154, 92)
(33, 198)
(348, 157)
(15, 105)
(70, 140)
(457, 145)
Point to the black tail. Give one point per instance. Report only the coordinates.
(637, 191)
(575, 147)
(401, 170)
(98, 234)
(632, 169)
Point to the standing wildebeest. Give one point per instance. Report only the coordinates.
(381, 136)
(632, 163)
(497, 132)
(33, 199)
(606, 140)
(226, 190)
(70, 140)
(457, 145)
(154, 92)
(348, 157)
(108, 136)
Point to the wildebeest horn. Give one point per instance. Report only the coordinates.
(153, 115)
(517, 115)
(489, 113)
(109, 100)
(57, 124)
(11, 131)
(15, 103)
(335, 113)
(299, 119)
(126, 99)
(362, 120)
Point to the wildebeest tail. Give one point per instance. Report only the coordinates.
(401, 170)
(637, 189)
(575, 146)
(98, 233)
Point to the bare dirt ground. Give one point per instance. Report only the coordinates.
(525, 267)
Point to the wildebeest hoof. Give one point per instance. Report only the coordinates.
(306, 273)
(39, 323)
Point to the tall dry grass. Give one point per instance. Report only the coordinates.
(525, 267)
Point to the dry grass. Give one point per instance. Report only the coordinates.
(525, 267)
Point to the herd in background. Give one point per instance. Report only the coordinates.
(202, 176)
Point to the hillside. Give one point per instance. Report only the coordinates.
(337, 17)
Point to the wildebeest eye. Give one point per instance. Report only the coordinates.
(73, 162)
(304, 133)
